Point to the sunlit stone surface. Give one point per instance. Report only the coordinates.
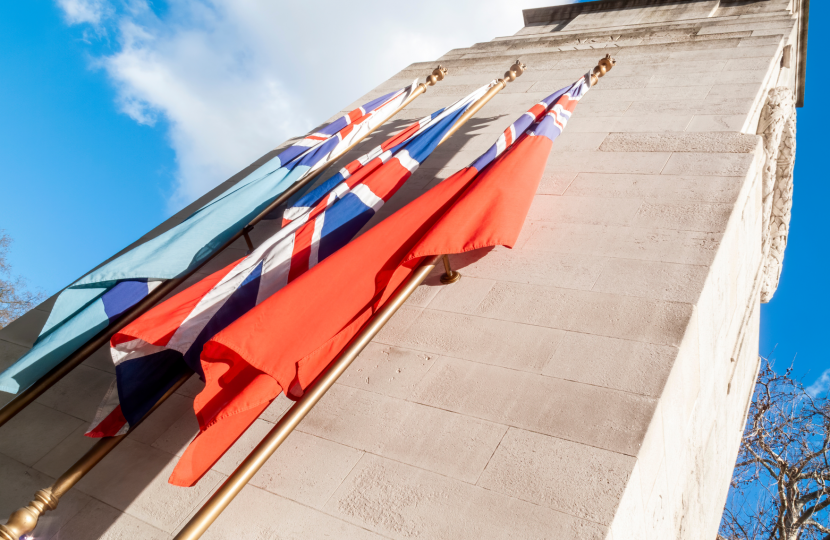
(589, 384)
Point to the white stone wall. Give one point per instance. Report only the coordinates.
(591, 383)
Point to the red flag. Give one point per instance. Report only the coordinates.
(303, 327)
(289, 339)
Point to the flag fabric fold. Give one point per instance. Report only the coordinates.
(290, 338)
(81, 310)
(152, 352)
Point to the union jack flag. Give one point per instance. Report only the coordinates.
(98, 299)
(153, 351)
(289, 339)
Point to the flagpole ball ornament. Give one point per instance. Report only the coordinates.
(449, 275)
(437, 74)
(515, 71)
(602, 67)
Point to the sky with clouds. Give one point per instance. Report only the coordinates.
(116, 113)
(234, 77)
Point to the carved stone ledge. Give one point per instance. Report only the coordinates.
(777, 125)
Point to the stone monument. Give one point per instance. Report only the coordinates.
(591, 383)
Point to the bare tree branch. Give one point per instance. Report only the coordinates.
(15, 298)
(780, 483)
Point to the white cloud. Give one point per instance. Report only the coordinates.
(85, 11)
(235, 78)
(820, 385)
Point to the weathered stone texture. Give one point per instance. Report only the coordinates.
(590, 383)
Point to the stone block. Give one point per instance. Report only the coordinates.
(554, 183)
(630, 366)
(753, 26)
(24, 330)
(735, 90)
(716, 142)
(720, 122)
(577, 412)
(760, 41)
(34, 431)
(654, 280)
(79, 393)
(749, 50)
(710, 163)
(101, 360)
(573, 478)
(133, 479)
(155, 425)
(388, 370)
(686, 247)
(635, 186)
(98, 520)
(399, 324)
(649, 124)
(462, 296)
(608, 83)
(589, 210)
(304, 468)
(724, 106)
(702, 217)
(9, 354)
(243, 519)
(175, 440)
(603, 94)
(574, 142)
(19, 486)
(519, 266)
(597, 313)
(751, 64)
(512, 345)
(665, 80)
(429, 438)
(60, 458)
(400, 501)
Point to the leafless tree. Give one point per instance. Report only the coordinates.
(15, 297)
(780, 484)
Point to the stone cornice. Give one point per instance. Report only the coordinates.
(547, 15)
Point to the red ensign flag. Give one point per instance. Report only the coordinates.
(290, 338)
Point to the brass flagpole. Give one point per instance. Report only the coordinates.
(220, 500)
(58, 372)
(24, 520)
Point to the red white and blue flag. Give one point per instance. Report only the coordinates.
(97, 300)
(155, 350)
(289, 339)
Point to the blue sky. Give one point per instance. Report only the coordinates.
(117, 113)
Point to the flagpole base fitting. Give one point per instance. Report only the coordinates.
(23, 521)
(449, 275)
(446, 279)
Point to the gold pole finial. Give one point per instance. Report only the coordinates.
(437, 74)
(514, 72)
(510, 75)
(602, 67)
